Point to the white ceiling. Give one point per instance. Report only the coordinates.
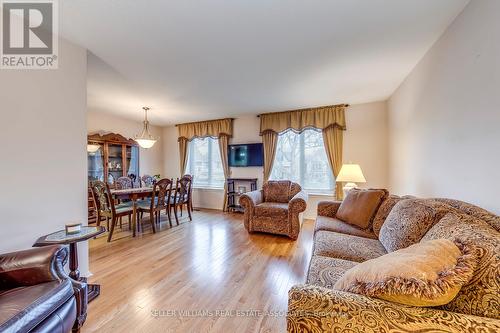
(197, 59)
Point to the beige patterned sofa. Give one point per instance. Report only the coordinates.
(317, 307)
(275, 209)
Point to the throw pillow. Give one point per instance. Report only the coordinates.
(408, 222)
(425, 274)
(480, 296)
(384, 210)
(359, 206)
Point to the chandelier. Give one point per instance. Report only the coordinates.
(145, 139)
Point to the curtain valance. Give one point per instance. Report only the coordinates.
(320, 117)
(202, 129)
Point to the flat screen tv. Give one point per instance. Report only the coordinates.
(246, 155)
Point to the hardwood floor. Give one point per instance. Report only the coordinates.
(148, 284)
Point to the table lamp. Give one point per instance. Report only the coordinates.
(350, 174)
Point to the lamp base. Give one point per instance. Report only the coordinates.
(347, 187)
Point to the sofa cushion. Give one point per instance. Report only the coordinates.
(341, 246)
(277, 190)
(384, 210)
(336, 225)
(360, 206)
(481, 296)
(24, 308)
(475, 211)
(428, 273)
(408, 222)
(272, 209)
(325, 271)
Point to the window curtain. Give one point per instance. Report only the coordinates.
(333, 138)
(183, 144)
(203, 129)
(223, 143)
(320, 118)
(329, 119)
(220, 128)
(269, 141)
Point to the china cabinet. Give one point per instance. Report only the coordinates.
(109, 157)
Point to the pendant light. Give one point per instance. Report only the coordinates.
(145, 139)
(92, 148)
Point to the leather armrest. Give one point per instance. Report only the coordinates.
(33, 266)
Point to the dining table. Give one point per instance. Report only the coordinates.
(133, 194)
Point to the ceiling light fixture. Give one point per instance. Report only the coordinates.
(92, 148)
(145, 139)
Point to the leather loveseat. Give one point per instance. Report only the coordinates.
(36, 294)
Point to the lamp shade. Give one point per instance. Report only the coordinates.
(351, 173)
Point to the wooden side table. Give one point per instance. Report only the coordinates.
(233, 194)
(60, 237)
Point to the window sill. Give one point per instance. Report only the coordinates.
(313, 193)
(208, 188)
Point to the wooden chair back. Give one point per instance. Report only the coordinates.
(102, 198)
(111, 180)
(147, 180)
(183, 189)
(123, 183)
(162, 190)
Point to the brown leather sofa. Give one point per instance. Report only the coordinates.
(36, 294)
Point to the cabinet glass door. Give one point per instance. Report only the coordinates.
(95, 162)
(132, 160)
(115, 162)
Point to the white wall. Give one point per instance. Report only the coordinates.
(43, 162)
(365, 142)
(151, 160)
(444, 119)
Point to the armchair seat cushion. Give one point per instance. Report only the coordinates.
(347, 247)
(336, 225)
(272, 209)
(24, 308)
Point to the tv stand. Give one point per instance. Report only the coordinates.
(235, 188)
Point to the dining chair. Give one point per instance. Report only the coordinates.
(162, 190)
(111, 180)
(190, 194)
(136, 182)
(181, 196)
(106, 207)
(147, 180)
(123, 183)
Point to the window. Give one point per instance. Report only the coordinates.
(301, 158)
(204, 163)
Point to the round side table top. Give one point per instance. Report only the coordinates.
(61, 237)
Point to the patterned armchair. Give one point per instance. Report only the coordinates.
(275, 209)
